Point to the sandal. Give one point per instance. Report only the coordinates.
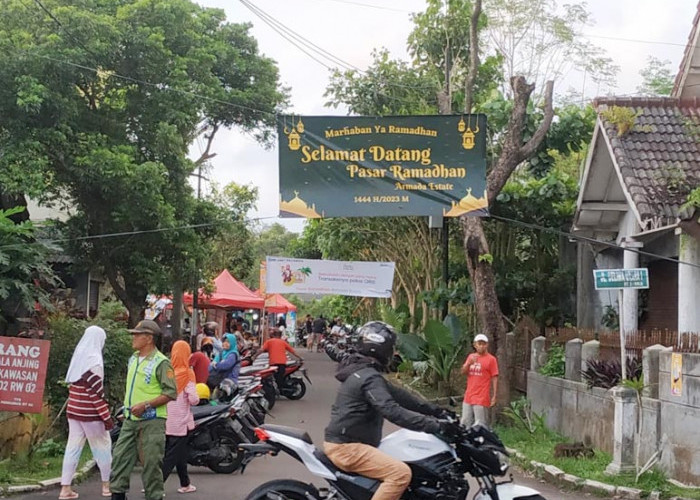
(106, 492)
(187, 489)
(70, 496)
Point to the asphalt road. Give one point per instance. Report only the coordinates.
(310, 413)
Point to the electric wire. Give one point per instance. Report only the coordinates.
(62, 27)
(51, 241)
(279, 27)
(509, 220)
(371, 6)
(274, 24)
(586, 239)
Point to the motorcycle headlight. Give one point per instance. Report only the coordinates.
(504, 461)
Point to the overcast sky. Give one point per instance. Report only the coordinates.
(350, 29)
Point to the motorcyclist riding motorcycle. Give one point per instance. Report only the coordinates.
(364, 399)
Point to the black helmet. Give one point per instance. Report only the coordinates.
(227, 390)
(377, 339)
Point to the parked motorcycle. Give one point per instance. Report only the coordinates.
(294, 386)
(438, 466)
(266, 374)
(219, 429)
(213, 442)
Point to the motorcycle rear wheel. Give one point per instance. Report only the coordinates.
(286, 488)
(234, 460)
(296, 388)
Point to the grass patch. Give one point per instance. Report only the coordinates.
(45, 464)
(540, 447)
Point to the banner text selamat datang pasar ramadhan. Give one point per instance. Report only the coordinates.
(363, 166)
(23, 364)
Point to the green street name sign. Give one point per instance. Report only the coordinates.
(615, 279)
(360, 166)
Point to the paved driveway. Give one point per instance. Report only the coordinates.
(310, 413)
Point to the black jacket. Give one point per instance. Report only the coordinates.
(365, 399)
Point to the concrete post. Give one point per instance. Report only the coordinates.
(573, 360)
(650, 370)
(624, 428)
(510, 348)
(538, 355)
(590, 351)
(629, 305)
(688, 285)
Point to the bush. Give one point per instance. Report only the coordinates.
(50, 448)
(607, 374)
(64, 334)
(556, 362)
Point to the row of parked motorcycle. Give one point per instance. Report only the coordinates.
(345, 337)
(234, 411)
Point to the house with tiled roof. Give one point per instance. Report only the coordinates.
(643, 161)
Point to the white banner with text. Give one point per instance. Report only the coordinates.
(329, 277)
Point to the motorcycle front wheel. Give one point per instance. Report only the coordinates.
(285, 488)
(295, 389)
(234, 458)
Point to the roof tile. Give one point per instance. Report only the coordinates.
(659, 159)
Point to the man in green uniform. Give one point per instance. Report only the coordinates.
(150, 384)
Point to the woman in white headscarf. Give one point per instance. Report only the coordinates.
(87, 411)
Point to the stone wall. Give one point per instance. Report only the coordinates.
(608, 418)
(16, 431)
(679, 419)
(573, 410)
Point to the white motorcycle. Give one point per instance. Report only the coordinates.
(438, 466)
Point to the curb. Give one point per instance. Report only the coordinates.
(557, 477)
(46, 484)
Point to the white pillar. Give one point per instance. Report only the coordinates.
(629, 295)
(689, 285)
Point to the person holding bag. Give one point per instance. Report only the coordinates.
(87, 412)
(180, 420)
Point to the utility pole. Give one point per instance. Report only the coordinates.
(194, 324)
(445, 105)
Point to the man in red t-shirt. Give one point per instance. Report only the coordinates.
(277, 349)
(481, 369)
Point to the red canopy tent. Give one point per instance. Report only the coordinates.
(228, 293)
(276, 303)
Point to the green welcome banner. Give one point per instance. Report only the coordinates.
(368, 166)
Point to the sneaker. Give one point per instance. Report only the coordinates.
(187, 489)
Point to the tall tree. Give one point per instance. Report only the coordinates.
(539, 40)
(406, 241)
(514, 150)
(518, 123)
(232, 248)
(23, 266)
(657, 78)
(100, 102)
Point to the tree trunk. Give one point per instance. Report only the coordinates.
(476, 248)
(134, 307)
(176, 317)
(488, 308)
